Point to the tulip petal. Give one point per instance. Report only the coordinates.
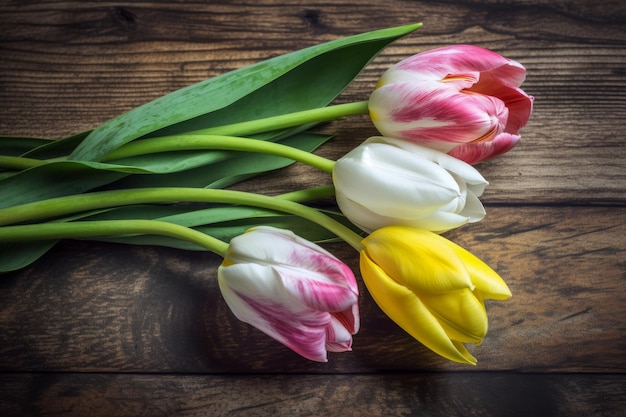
(451, 97)
(269, 245)
(387, 181)
(473, 209)
(292, 290)
(338, 338)
(440, 221)
(487, 281)
(417, 259)
(328, 284)
(405, 185)
(520, 104)
(348, 318)
(435, 113)
(460, 313)
(476, 152)
(462, 169)
(264, 305)
(313, 292)
(459, 59)
(406, 310)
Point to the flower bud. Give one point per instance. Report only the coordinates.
(462, 100)
(431, 287)
(292, 290)
(385, 182)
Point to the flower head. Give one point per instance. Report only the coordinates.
(388, 181)
(431, 287)
(462, 100)
(292, 290)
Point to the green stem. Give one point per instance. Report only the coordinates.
(233, 143)
(19, 163)
(91, 201)
(309, 194)
(283, 121)
(90, 229)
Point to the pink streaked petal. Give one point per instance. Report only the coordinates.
(515, 99)
(277, 247)
(270, 246)
(302, 331)
(443, 115)
(338, 338)
(512, 73)
(457, 59)
(461, 81)
(349, 318)
(316, 293)
(520, 108)
(327, 266)
(475, 152)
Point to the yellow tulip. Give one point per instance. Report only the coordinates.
(431, 287)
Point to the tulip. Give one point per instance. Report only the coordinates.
(462, 100)
(292, 290)
(385, 182)
(431, 287)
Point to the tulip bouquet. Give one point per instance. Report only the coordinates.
(438, 113)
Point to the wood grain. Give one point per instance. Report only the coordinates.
(103, 329)
(110, 307)
(69, 66)
(491, 394)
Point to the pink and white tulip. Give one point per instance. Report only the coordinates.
(292, 290)
(462, 100)
(386, 182)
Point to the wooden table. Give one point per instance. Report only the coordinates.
(103, 329)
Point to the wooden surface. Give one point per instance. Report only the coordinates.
(103, 329)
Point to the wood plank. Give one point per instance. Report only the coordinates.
(68, 66)
(105, 307)
(435, 394)
(103, 329)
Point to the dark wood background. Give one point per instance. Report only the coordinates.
(103, 329)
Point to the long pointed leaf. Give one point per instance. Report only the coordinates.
(312, 77)
(16, 256)
(16, 146)
(58, 147)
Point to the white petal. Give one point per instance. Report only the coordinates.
(447, 162)
(257, 299)
(385, 178)
(473, 209)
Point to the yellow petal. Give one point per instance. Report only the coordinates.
(463, 350)
(487, 281)
(460, 313)
(407, 310)
(420, 260)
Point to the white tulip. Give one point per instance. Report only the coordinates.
(385, 182)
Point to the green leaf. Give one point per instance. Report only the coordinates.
(17, 146)
(16, 256)
(58, 147)
(305, 79)
(54, 180)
